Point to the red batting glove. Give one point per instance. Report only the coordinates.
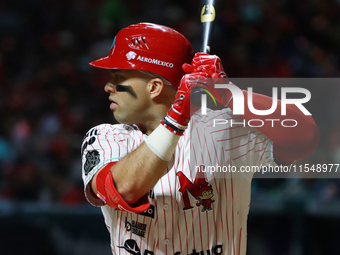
(203, 62)
(179, 114)
(212, 65)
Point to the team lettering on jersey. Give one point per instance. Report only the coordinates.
(91, 134)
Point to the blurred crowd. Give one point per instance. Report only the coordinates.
(50, 96)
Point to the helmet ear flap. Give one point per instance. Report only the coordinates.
(149, 47)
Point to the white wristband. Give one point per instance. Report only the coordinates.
(162, 142)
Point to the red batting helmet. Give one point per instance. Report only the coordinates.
(149, 47)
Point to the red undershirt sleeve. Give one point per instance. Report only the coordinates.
(107, 192)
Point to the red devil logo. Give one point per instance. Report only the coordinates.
(200, 189)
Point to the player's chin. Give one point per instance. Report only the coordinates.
(117, 116)
(123, 118)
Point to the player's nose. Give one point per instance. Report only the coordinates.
(110, 88)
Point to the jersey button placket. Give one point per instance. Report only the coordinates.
(163, 224)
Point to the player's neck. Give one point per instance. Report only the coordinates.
(147, 127)
(151, 123)
(157, 111)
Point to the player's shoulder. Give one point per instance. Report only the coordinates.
(114, 130)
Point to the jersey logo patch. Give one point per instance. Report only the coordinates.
(131, 247)
(92, 159)
(200, 189)
(135, 227)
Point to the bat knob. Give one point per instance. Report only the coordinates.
(196, 99)
(196, 96)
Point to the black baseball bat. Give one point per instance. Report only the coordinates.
(208, 15)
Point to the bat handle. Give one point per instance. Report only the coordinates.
(207, 18)
(207, 26)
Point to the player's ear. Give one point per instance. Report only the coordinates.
(155, 87)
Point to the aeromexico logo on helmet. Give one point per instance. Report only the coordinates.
(133, 55)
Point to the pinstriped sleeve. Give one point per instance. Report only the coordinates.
(104, 144)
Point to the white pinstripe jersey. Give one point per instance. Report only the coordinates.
(188, 214)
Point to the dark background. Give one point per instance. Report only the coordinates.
(50, 97)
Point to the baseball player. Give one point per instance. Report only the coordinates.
(149, 173)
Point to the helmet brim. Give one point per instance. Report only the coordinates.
(110, 63)
(104, 62)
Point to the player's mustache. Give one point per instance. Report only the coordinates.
(126, 88)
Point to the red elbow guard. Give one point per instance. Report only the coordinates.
(107, 192)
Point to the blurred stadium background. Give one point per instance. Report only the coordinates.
(50, 97)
